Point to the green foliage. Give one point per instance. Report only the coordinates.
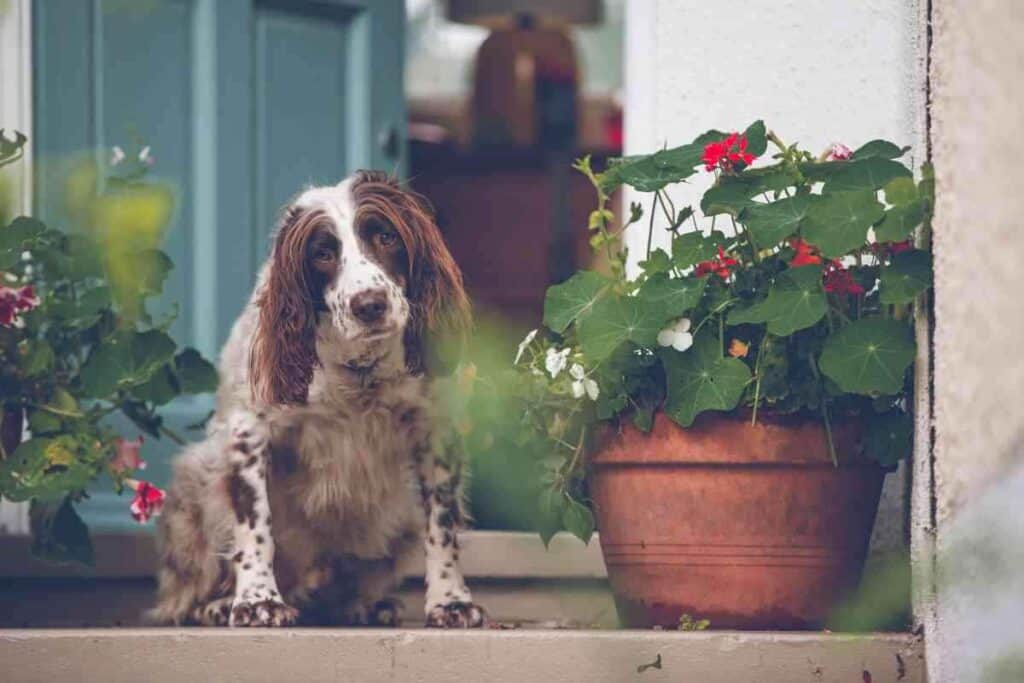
(87, 346)
(702, 380)
(869, 356)
(798, 303)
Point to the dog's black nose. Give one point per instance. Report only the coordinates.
(369, 306)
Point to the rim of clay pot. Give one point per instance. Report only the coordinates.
(730, 439)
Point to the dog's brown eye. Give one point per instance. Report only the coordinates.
(386, 238)
(323, 254)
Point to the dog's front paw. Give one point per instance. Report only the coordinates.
(456, 615)
(262, 613)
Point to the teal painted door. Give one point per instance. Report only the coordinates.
(243, 103)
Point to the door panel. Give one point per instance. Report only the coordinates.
(243, 103)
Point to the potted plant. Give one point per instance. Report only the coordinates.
(78, 344)
(729, 413)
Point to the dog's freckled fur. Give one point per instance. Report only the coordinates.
(317, 483)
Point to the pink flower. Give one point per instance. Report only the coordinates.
(839, 152)
(15, 301)
(127, 458)
(148, 501)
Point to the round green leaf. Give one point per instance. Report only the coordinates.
(838, 223)
(864, 175)
(578, 520)
(565, 302)
(869, 356)
(796, 301)
(614, 320)
(690, 248)
(195, 374)
(900, 221)
(674, 296)
(879, 148)
(769, 224)
(701, 379)
(900, 190)
(909, 274)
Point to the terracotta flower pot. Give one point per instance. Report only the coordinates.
(748, 526)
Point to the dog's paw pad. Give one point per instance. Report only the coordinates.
(263, 613)
(457, 615)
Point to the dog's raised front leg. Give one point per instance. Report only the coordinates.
(257, 601)
(449, 602)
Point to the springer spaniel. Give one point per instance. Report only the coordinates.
(322, 471)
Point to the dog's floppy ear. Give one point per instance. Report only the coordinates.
(283, 353)
(440, 307)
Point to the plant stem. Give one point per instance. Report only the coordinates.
(757, 374)
(650, 225)
(828, 433)
(774, 139)
(57, 411)
(721, 333)
(172, 435)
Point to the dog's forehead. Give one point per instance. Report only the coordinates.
(337, 201)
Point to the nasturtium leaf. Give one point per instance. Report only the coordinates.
(565, 302)
(659, 262)
(614, 320)
(731, 195)
(889, 437)
(42, 423)
(59, 534)
(35, 357)
(690, 248)
(795, 301)
(17, 236)
(153, 266)
(838, 223)
(673, 296)
(44, 467)
(82, 312)
(578, 520)
(757, 141)
(900, 221)
(196, 375)
(643, 418)
(160, 388)
(869, 356)
(701, 379)
(770, 224)
(900, 190)
(650, 172)
(909, 274)
(550, 510)
(870, 174)
(879, 148)
(125, 360)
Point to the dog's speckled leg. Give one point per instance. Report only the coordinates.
(449, 602)
(257, 601)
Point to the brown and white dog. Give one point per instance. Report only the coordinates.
(321, 475)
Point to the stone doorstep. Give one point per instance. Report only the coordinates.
(367, 656)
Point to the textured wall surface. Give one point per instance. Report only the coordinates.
(816, 72)
(977, 109)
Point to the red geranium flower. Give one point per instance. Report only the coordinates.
(148, 501)
(729, 154)
(720, 265)
(892, 248)
(805, 254)
(15, 301)
(839, 280)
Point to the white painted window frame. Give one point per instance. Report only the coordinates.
(16, 114)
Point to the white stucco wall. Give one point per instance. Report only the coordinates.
(816, 72)
(977, 110)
